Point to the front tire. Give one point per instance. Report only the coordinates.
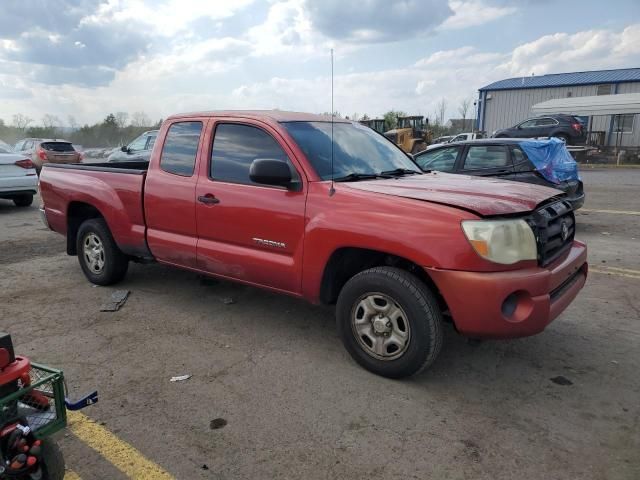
(102, 262)
(23, 200)
(389, 322)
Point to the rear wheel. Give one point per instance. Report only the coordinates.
(563, 137)
(102, 262)
(52, 460)
(389, 322)
(23, 200)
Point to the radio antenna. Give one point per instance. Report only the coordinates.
(332, 190)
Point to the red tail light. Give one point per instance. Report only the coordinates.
(42, 154)
(80, 156)
(577, 127)
(26, 163)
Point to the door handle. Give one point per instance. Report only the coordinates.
(208, 199)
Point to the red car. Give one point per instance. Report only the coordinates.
(249, 197)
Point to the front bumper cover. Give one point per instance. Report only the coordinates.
(515, 303)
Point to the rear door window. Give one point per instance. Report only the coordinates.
(180, 148)
(528, 124)
(485, 157)
(545, 122)
(442, 159)
(520, 161)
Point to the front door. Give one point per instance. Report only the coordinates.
(246, 231)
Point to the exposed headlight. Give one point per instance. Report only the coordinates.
(501, 241)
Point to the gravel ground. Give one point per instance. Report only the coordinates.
(297, 406)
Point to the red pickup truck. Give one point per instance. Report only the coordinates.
(333, 213)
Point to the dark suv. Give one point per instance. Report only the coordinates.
(567, 128)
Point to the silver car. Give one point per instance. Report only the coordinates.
(18, 178)
(138, 150)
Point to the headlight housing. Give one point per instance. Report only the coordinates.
(501, 241)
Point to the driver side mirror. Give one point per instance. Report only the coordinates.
(270, 171)
(124, 149)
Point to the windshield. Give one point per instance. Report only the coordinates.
(357, 149)
(4, 148)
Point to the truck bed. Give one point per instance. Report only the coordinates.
(115, 190)
(134, 168)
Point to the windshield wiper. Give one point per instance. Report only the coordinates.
(400, 172)
(354, 177)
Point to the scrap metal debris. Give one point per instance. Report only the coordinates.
(217, 423)
(560, 380)
(116, 301)
(180, 378)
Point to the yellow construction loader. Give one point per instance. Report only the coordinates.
(412, 134)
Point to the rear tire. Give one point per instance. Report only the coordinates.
(389, 322)
(562, 137)
(102, 262)
(53, 460)
(23, 200)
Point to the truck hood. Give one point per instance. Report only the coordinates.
(484, 196)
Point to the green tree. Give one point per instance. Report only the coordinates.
(391, 119)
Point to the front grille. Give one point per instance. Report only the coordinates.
(548, 224)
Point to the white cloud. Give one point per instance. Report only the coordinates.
(579, 51)
(453, 74)
(285, 29)
(166, 18)
(184, 71)
(473, 13)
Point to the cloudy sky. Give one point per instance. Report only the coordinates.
(87, 58)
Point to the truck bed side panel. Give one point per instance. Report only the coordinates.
(116, 195)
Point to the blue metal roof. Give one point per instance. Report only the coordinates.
(566, 79)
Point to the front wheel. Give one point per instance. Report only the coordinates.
(52, 461)
(102, 262)
(389, 322)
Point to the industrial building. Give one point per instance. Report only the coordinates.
(610, 123)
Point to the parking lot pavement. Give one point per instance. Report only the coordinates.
(297, 406)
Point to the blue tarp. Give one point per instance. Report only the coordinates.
(552, 159)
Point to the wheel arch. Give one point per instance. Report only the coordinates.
(77, 213)
(345, 262)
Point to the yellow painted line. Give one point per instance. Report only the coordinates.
(119, 453)
(624, 270)
(71, 475)
(610, 272)
(620, 212)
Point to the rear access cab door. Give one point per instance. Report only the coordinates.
(170, 189)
